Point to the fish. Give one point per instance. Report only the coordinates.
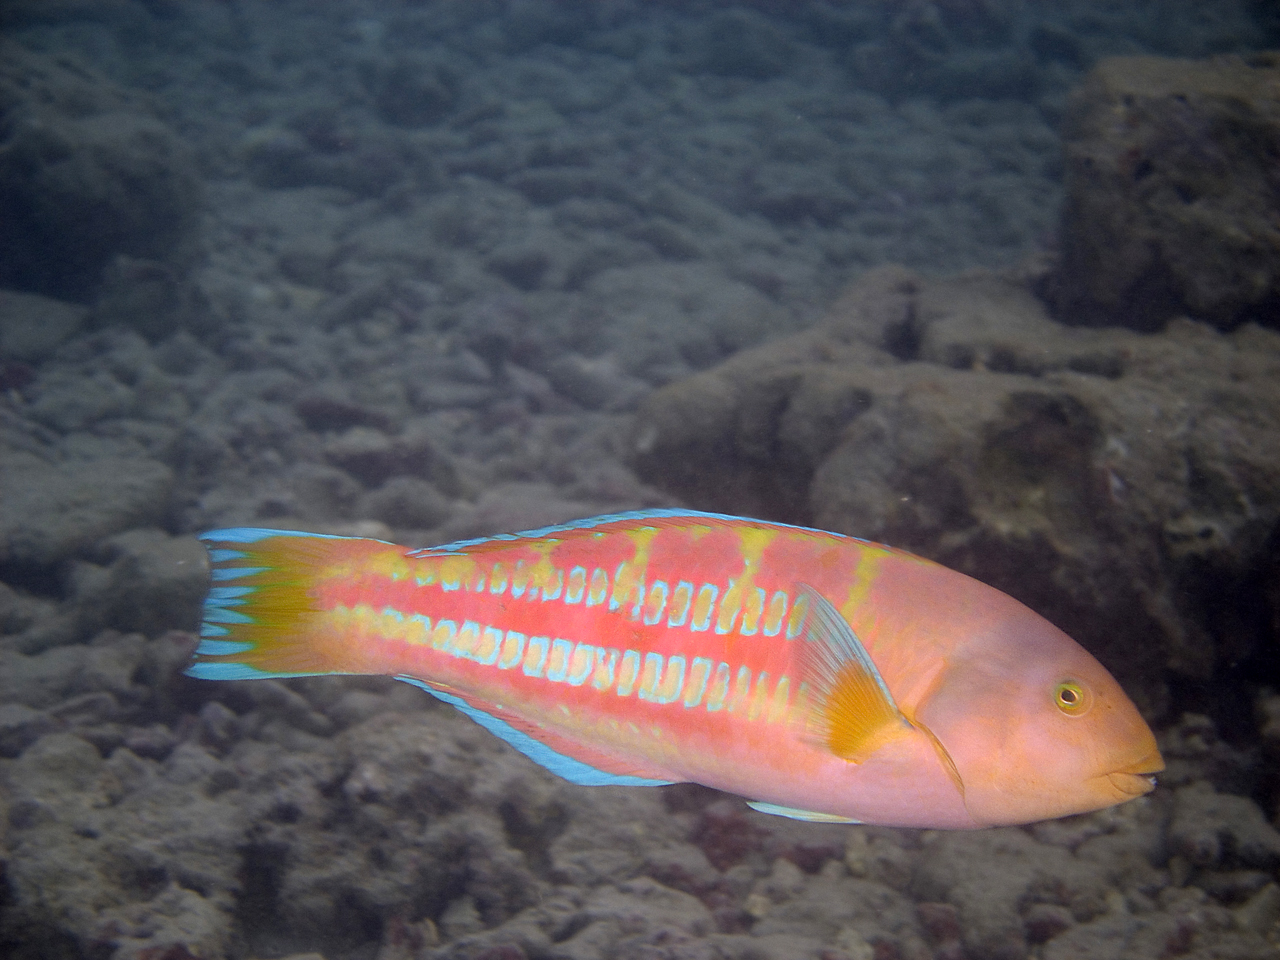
(819, 676)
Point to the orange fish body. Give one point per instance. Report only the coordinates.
(820, 676)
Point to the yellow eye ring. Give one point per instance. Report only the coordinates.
(1072, 698)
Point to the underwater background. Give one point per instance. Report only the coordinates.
(997, 281)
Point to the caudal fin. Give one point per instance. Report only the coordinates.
(261, 617)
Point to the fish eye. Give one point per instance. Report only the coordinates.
(1072, 698)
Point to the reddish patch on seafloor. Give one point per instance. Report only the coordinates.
(725, 835)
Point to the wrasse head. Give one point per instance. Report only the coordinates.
(1037, 728)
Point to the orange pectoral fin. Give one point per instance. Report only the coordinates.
(852, 712)
(858, 719)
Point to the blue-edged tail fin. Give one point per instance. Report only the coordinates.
(261, 617)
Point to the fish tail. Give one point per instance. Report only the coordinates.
(262, 617)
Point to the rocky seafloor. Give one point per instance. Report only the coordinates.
(434, 270)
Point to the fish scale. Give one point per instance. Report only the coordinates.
(786, 664)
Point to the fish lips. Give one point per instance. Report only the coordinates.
(1137, 778)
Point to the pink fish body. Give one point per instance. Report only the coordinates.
(820, 676)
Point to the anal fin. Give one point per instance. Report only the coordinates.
(794, 813)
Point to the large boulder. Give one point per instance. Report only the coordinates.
(1173, 195)
(1126, 486)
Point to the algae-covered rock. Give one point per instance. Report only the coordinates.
(1213, 829)
(1173, 203)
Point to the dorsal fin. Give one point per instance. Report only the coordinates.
(851, 712)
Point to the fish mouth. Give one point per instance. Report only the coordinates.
(1137, 778)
